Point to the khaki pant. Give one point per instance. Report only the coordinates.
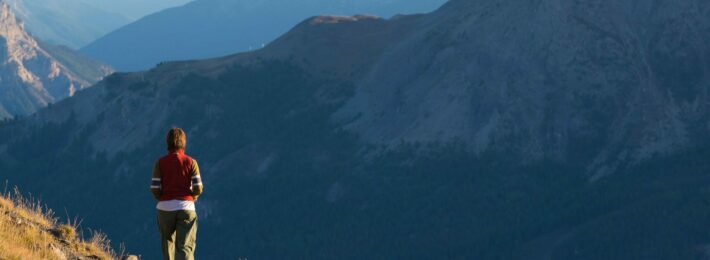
(178, 231)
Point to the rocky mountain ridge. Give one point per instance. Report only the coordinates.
(31, 77)
(598, 84)
(76, 23)
(72, 23)
(209, 29)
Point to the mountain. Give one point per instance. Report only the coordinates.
(608, 87)
(76, 23)
(136, 9)
(484, 130)
(34, 74)
(72, 23)
(212, 28)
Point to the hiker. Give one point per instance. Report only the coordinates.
(176, 184)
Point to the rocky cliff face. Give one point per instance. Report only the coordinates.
(72, 23)
(584, 81)
(31, 77)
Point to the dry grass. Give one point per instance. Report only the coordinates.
(30, 231)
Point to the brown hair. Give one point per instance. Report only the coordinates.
(176, 139)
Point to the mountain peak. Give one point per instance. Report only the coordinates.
(20, 45)
(8, 19)
(330, 19)
(9, 24)
(31, 76)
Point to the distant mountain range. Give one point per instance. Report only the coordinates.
(212, 28)
(72, 23)
(490, 129)
(75, 23)
(135, 9)
(33, 74)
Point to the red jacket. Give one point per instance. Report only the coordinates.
(176, 176)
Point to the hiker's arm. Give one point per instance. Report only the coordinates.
(196, 180)
(155, 183)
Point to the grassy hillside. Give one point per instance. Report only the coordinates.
(29, 231)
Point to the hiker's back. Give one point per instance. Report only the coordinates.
(176, 173)
(176, 184)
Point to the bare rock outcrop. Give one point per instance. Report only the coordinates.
(31, 77)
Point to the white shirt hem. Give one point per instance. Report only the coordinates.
(175, 205)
